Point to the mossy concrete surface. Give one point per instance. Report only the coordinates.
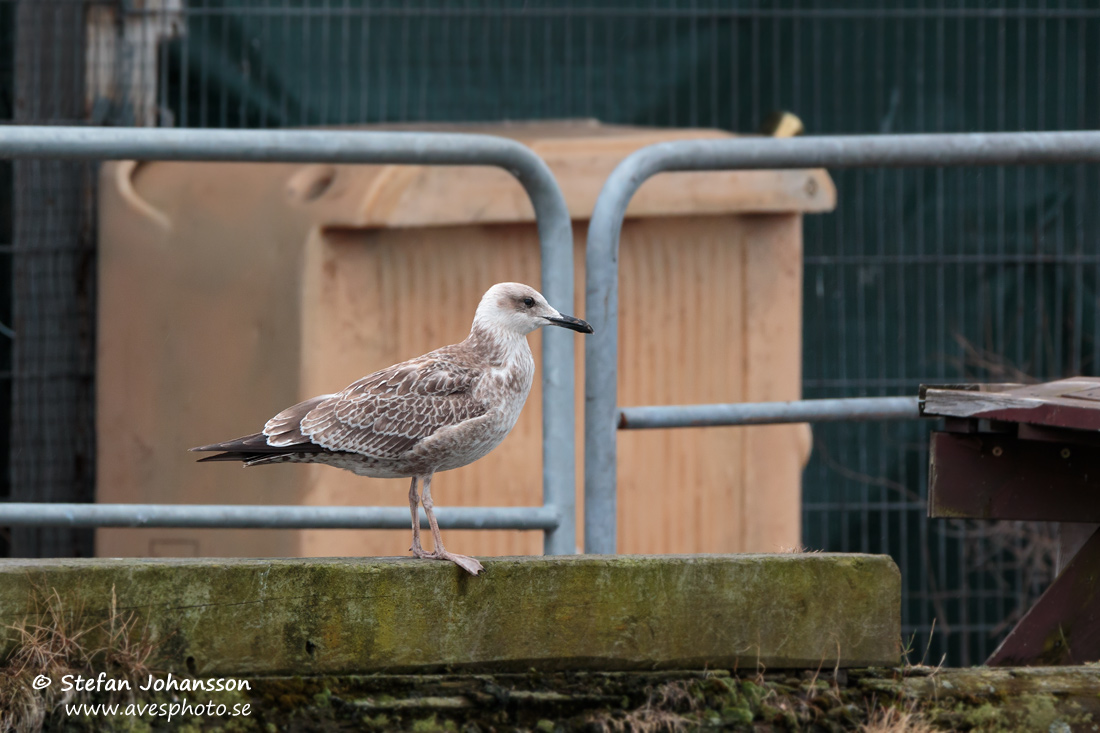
(333, 616)
(898, 700)
(1057, 699)
(901, 699)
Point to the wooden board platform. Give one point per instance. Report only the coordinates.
(1029, 452)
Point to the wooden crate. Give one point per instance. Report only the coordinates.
(229, 291)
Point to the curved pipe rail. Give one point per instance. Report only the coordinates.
(428, 148)
(602, 254)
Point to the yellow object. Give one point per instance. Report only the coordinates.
(782, 124)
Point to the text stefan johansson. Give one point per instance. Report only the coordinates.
(154, 684)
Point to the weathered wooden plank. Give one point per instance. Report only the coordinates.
(1068, 403)
(995, 476)
(581, 155)
(774, 455)
(1063, 627)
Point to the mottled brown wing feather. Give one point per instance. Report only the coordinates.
(285, 429)
(387, 413)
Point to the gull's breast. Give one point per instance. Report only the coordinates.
(506, 389)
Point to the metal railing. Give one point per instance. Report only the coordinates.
(557, 515)
(768, 413)
(225, 516)
(603, 417)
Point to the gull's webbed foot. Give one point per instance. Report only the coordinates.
(469, 564)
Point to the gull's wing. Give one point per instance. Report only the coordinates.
(386, 414)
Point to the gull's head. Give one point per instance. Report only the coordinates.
(518, 308)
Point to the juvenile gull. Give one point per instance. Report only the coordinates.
(433, 413)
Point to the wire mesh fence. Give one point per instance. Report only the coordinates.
(48, 257)
(920, 276)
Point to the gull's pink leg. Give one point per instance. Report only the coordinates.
(468, 564)
(414, 509)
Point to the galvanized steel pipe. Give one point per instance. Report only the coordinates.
(424, 148)
(218, 516)
(769, 413)
(602, 255)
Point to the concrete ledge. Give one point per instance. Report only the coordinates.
(339, 615)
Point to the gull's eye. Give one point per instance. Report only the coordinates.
(529, 302)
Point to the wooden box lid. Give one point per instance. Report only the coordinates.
(581, 154)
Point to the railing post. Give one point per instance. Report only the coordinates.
(602, 254)
(425, 148)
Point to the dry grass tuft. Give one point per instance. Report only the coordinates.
(57, 642)
(797, 550)
(649, 720)
(656, 716)
(895, 720)
(673, 696)
(127, 649)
